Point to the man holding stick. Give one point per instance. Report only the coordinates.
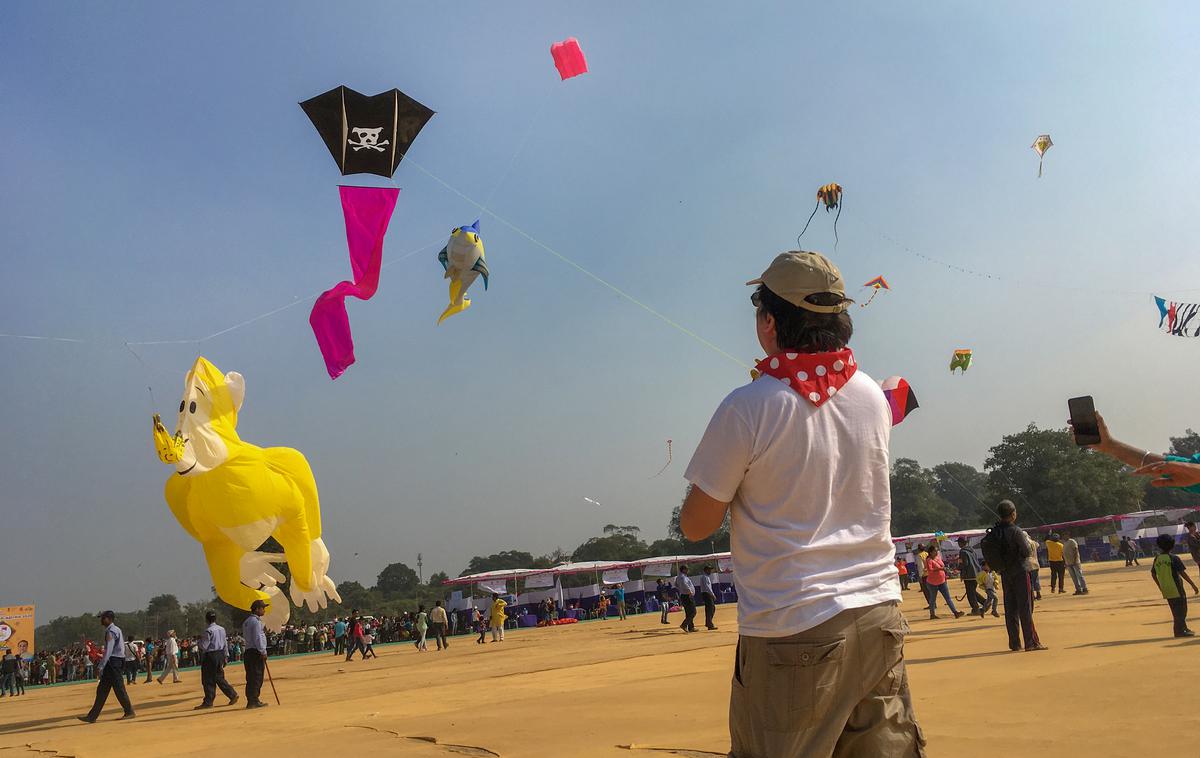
(255, 660)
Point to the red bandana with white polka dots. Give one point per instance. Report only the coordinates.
(815, 376)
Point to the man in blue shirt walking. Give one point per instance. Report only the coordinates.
(687, 599)
(213, 650)
(709, 596)
(112, 671)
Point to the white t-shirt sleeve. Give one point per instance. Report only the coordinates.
(720, 461)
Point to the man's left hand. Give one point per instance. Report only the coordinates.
(1171, 473)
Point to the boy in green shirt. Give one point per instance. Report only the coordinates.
(1167, 572)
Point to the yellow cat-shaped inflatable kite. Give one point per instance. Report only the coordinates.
(231, 496)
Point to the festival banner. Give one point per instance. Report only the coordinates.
(16, 630)
(537, 581)
(616, 576)
(495, 586)
(576, 593)
(658, 569)
(724, 564)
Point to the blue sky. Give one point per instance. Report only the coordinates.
(160, 183)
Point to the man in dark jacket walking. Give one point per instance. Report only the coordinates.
(1018, 592)
(968, 566)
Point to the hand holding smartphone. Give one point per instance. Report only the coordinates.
(1083, 420)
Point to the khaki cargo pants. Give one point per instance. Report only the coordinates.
(838, 689)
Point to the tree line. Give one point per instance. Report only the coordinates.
(1043, 471)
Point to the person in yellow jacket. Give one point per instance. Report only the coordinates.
(498, 617)
(1058, 566)
(989, 581)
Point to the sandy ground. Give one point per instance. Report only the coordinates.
(614, 688)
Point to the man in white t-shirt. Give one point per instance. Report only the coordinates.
(799, 459)
(170, 658)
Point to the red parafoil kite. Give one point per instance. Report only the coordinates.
(900, 397)
(568, 58)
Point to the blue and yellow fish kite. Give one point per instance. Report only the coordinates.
(464, 261)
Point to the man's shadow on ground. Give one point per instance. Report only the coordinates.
(52, 723)
(1121, 643)
(915, 661)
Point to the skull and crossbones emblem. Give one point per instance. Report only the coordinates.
(368, 138)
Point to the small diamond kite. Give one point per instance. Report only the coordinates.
(878, 283)
(1041, 145)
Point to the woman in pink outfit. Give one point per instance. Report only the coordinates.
(935, 578)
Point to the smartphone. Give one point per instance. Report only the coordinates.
(1083, 420)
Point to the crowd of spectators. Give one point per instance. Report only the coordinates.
(148, 655)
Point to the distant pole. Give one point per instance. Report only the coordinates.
(420, 574)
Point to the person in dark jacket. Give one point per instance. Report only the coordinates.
(968, 567)
(1018, 592)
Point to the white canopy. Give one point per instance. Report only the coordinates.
(588, 567)
(970, 534)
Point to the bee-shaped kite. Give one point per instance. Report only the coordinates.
(831, 196)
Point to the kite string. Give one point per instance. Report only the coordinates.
(995, 277)
(1021, 495)
(145, 371)
(142, 343)
(280, 309)
(970, 492)
(512, 161)
(41, 338)
(594, 277)
(984, 505)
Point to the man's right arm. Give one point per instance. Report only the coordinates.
(1021, 543)
(109, 640)
(716, 472)
(701, 514)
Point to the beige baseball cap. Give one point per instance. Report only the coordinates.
(796, 274)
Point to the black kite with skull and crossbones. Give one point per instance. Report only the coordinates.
(367, 134)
